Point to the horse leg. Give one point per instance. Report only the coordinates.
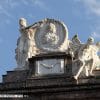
(87, 71)
(88, 65)
(92, 67)
(80, 70)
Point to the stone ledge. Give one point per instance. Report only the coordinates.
(15, 76)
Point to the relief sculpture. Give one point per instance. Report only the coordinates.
(49, 36)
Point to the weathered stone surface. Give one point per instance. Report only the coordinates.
(45, 36)
(50, 87)
(52, 67)
(50, 35)
(54, 87)
(85, 57)
(15, 76)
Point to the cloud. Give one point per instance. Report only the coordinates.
(4, 11)
(37, 3)
(41, 4)
(13, 3)
(95, 35)
(7, 7)
(25, 2)
(92, 6)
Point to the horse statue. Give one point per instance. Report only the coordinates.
(87, 57)
(96, 57)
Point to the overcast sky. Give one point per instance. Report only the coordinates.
(80, 16)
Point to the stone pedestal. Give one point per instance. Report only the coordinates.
(54, 87)
(49, 87)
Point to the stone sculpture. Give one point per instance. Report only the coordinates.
(96, 57)
(42, 37)
(49, 36)
(88, 58)
(21, 45)
(25, 45)
(22, 23)
(74, 46)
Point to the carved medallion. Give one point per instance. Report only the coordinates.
(51, 35)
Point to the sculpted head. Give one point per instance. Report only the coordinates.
(22, 22)
(90, 40)
(51, 28)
